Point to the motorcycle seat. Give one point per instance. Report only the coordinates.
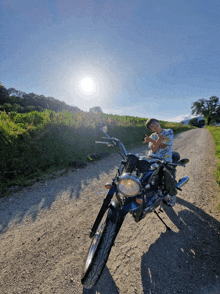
(175, 158)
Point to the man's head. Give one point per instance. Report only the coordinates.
(153, 125)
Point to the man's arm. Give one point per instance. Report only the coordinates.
(157, 144)
(163, 146)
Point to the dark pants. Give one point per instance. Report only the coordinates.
(169, 182)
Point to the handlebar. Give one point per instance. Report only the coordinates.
(115, 142)
(99, 142)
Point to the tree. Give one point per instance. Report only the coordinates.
(96, 109)
(3, 94)
(18, 108)
(210, 109)
(31, 108)
(196, 122)
(30, 102)
(7, 107)
(193, 121)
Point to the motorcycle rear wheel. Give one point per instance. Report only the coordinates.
(98, 253)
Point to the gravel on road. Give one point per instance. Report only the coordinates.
(44, 232)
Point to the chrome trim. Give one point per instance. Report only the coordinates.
(94, 245)
(154, 166)
(123, 148)
(183, 181)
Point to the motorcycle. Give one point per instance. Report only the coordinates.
(139, 189)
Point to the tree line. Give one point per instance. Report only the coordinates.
(17, 101)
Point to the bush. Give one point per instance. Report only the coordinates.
(33, 143)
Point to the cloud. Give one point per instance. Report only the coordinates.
(185, 118)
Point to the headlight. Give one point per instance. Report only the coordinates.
(153, 166)
(129, 185)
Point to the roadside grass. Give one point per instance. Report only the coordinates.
(215, 131)
(35, 146)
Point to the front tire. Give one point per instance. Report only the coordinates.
(98, 253)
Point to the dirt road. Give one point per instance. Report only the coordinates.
(44, 232)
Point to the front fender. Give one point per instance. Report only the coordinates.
(116, 215)
(114, 211)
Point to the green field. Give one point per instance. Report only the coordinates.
(36, 144)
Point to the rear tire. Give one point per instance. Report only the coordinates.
(98, 253)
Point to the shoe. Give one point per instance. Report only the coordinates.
(171, 202)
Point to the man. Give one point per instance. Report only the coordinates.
(161, 143)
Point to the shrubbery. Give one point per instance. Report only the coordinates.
(34, 143)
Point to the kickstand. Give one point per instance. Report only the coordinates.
(169, 229)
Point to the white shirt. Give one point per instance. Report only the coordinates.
(165, 153)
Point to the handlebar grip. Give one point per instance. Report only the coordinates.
(99, 142)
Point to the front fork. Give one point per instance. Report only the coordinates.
(103, 209)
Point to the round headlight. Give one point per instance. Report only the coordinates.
(129, 185)
(154, 166)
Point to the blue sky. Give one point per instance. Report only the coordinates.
(148, 58)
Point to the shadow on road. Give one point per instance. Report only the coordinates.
(105, 285)
(30, 201)
(186, 261)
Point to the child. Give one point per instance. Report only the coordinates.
(161, 143)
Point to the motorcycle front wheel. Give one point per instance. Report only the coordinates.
(98, 253)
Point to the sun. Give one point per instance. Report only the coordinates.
(87, 85)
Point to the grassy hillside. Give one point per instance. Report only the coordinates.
(215, 131)
(37, 143)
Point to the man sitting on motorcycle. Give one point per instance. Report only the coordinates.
(161, 143)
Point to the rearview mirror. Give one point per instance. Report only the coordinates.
(184, 160)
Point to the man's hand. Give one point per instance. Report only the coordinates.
(162, 146)
(162, 138)
(146, 139)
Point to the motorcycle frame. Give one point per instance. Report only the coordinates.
(118, 212)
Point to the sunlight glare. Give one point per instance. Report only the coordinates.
(87, 84)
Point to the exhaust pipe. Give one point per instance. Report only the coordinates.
(181, 182)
